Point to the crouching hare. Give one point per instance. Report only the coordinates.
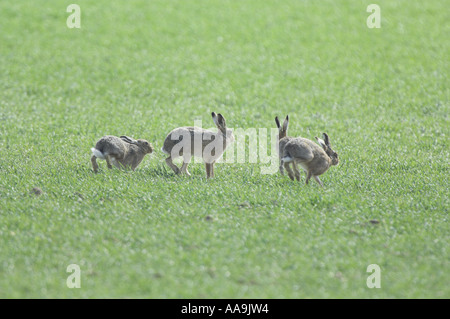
(122, 152)
(195, 141)
(314, 159)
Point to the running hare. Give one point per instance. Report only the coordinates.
(314, 160)
(121, 151)
(194, 141)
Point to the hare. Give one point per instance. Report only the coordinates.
(195, 141)
(314, 159)
(121, 151)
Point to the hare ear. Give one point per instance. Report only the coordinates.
(128, 139)
(214, 117)
(326, 139)
(322, 143)
(277, 121)
(221, 120)
(286, 123)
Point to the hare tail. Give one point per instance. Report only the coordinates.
(164, 151)
(97, 153)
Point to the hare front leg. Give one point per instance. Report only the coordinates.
(318, 180)
(135, 164)
(94, 163)
(172, 165)
(184, 167)
(208, 170)
(308, 177)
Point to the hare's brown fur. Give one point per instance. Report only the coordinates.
(314, 159)
(122, 152)
(192, 141)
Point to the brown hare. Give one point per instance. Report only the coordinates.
(122, 152)
(195, 141)
(314, 159)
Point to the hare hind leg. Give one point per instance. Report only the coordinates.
(296, 171)
(281, 167)
(289, 170)
(284, 163)
(116, 163)
(94, 163)
(212, 168)
(108, 161)
(172, 165)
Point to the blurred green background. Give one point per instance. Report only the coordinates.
(142, 68)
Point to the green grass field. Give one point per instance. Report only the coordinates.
(141, 68)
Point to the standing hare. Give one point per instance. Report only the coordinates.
(121, 152)
(314, 160)
(195, 141)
